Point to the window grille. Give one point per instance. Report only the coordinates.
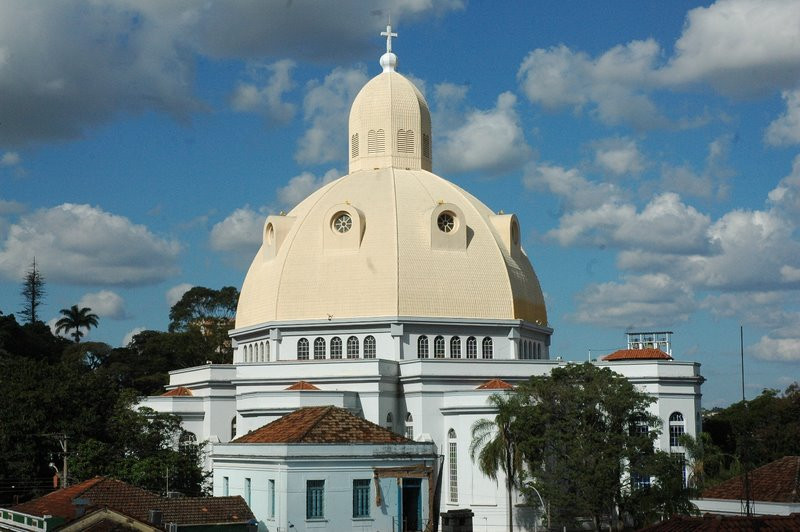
(438, 347)
(676, 429)
(336, 347)
(376, 141)
(422, 347)
(455, 347)
(302, 349)
(487, 348)
(472, 347)
(426, 146)
(369, 347)
(315, 499)
(409, 426)
(352, 347)
(319, 349)
(453, 466)
(361, 502)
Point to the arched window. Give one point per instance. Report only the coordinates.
(472, 347)
(336, 347)
(676, 429)
(302, 349)
(266, 345)
(389, 421)
(455, 347)
(487, 347)
(369, 347)
(319, 349)
(233, 427)
(187, 440)
(409, 426)
(452, 455)
(422, 347)
(438, 347)
(352, 347)
(261, 352)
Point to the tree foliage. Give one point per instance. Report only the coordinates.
(32, 293)
(209, 312)
(74, 319)
(582, 431)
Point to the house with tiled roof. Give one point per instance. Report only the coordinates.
(774, 490)
(727, 523)
(103, 503)
(325, 467)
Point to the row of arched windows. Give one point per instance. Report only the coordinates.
(256, 352)
(353, 348)
(439, 345)
(529, 349)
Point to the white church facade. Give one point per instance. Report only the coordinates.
(398, 296)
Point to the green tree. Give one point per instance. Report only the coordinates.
(76, 319)
(580, 429)
(33, 293)
(210, 312)
(495, 447)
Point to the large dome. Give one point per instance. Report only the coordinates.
(391, 238)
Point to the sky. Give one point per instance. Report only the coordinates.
(651, 151)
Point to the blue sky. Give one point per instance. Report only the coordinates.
(650, 150)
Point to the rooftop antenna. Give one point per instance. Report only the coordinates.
(746, 495)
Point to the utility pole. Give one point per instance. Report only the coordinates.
(62, 440)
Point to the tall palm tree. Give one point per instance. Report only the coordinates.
(76, 319)
(495, 447)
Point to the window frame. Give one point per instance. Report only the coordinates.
(422, 346)
(315, 499)
(361, 502)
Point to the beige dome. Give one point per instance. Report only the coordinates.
(391, 238)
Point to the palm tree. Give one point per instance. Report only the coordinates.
(496, 450)
(77, 319)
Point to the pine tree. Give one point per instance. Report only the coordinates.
(33, 292)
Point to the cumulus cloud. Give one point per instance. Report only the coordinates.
(301, 186)
(326, 107)
(665, 225)
(618, 156)
(777, 349)
(11, 207)
(10, 158)
(239, 233)
(574, 190)
(707, 182)
(490, 141)
(70, 65)
(81, 244)
(175, 293)
(739, 47)
(639, 301)
(785, 130)
(267, 98)
(105, 303)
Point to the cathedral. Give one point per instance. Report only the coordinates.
(394, 297)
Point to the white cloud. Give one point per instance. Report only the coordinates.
(777, 349)
(128, 338)
(665, 225)
(785, 130)
(785, 197)
(576, 192)
(70, 65)
(239, 233)
(267, 99)
(175, 293)
(618, 156)
(790, 274)
(489, 141)
(11, 207)
(81, 244)
(740, 47)
(301, 186)
(105, 303)
(326, 107)
(10, 158)
(654, 300)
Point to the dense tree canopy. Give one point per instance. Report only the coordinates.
(209, 312)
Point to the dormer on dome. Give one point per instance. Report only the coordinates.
(390, 123)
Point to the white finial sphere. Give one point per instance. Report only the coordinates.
(388, 62)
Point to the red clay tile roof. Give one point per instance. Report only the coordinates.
(321, 424)
(302, 385)
(180, 391)
(778, 481)
(726, 523)
(638, 354)
(495, 384)
(102, 492)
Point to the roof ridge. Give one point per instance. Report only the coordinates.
(316, 422)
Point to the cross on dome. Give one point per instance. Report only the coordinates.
(388, 34)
